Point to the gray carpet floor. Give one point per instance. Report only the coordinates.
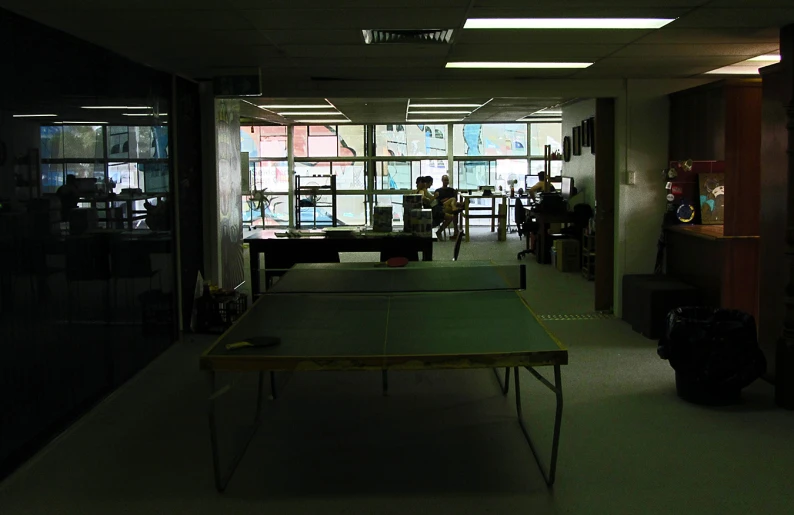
(440, 442)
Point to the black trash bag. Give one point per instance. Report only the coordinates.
(714, 352)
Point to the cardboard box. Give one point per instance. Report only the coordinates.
(568, 259)
(382, 219)
(422, 222)
(410, 203)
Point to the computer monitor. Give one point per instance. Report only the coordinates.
(565, 187)
(529, 181)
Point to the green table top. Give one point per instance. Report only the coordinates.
(387, 329)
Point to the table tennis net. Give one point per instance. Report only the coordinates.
(382, 279)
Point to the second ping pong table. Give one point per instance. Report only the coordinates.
(359, 316)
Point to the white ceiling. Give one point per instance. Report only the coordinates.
(310, 48)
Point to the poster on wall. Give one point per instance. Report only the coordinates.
(712, 198)
(591, 129)
(577, 141)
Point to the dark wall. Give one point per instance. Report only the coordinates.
(79, 315)
(697, 124)
(778, 96)
(189, 178)
(42, 64)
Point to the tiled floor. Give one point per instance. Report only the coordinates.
(440, 442)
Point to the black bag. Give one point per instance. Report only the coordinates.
(715, 350)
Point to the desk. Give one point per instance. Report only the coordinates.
(493, 213)
(350, 319)
(563, 217)
(289, 251)
(129, 200)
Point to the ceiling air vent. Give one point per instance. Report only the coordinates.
(420, 37)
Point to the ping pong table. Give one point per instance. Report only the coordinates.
(360, 316)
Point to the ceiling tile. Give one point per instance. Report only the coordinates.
(688, 50)
(534, 53)
(713, 36)
(749, 17)
(371, 18)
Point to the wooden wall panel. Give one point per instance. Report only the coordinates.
(743, 101)
(741, 260)
(774, 186)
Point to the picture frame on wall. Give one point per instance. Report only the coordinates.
(577, 141)
(591, 128)
(586, 133)
(566, 148)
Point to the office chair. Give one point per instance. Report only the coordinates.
(520, 216)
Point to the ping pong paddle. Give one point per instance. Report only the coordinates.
(397, 262)
(257, 341)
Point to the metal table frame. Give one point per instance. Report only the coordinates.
(223, 474)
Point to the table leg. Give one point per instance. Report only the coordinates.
(506, 385)
(254, 266)
(555, 443)
(493, 214)
(466, 208)
(427, 251)
(222, 478)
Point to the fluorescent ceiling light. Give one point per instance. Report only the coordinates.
(444, 105)
(143, 114)
(115, 107)
(566, 23)
(436, 121)
(313, 106)
(535, 119)
(34, 115)
(543, 112)
(301, 113)
(769, 57)
(748, 67)
(85, 123)
(517, 65)
(440, 112)
(324, 122)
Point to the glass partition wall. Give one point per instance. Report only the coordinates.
(378, 164)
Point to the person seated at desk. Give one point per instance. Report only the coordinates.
(540, 186)
(428, 199)
(445, 191)
(69, 196)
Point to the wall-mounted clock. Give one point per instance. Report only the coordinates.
(685, 213)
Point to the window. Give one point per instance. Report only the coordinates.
(543, 134)
(536, 166)
(328, 141)
(270, 175)
(135, 157)
(490, 139)
(413, 140)
(264, 141)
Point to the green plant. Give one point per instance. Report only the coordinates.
(263, 201)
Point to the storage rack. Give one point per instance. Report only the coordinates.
(588, 255)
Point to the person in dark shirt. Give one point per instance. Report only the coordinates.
(445, 192)
(69, 196)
